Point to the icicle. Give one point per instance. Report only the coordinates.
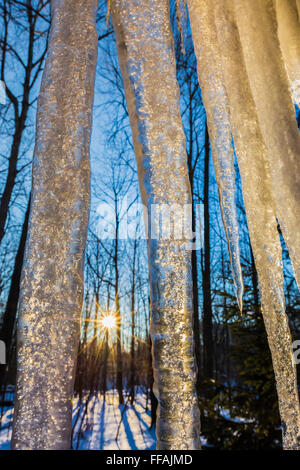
(108, 12)
(260, 209)
(298, 9)
(276, 115)
(216, 106)
(52, 285)
(289, 37)
(146, 55)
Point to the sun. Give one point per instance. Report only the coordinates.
(108, 321)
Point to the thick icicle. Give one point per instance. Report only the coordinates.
(276, 115)
(260, 209)
(52, 284)
(146, 55)
(289, 38)
(298, 9)
(216, 106)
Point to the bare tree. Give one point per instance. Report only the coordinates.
(31, 21)
(206, 275)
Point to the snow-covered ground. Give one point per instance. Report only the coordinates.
(5, 432)
(105, 426)
(110, 426)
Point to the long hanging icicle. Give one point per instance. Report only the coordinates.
(298, 9)
(289, 38)
(216, 107)
(276, 115)
(260, 209)
(145, 49)
(52, 285)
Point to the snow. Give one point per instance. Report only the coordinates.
(113, 427)
(5, 432)
(106, 426)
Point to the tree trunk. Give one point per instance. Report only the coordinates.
(31, 73)
(10, 313)
(254, 280)
(132, 365)
(208, 348)
(196, 322)
(194, 261)
(11, 177)
(104, 370)
(146, 54)
(52, 284)
(119, 378)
